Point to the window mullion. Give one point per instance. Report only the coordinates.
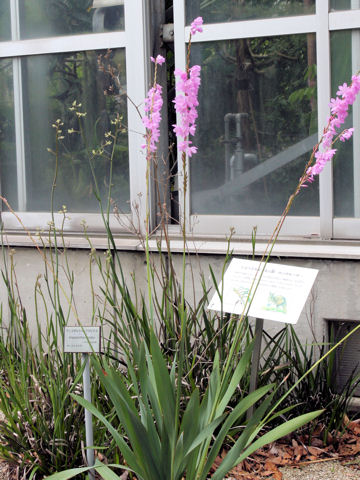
(69, 43)
(355, 62)
(18, 111)
(324, 92)
(136, 80)
(19, 135)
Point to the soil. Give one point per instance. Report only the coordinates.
(272, 457)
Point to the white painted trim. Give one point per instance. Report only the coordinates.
(71, 43)
(355, 63)
(14, 19)
(323, 98)
(207, 245)
(255, 28)
(19, 134)
(344, 20)
(74, 222)
(305, 227)
(347, 228)
(283, 248)
(137, 82)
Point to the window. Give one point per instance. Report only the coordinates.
(268, 71)
(69, 62)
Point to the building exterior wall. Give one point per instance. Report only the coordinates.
(334, 295)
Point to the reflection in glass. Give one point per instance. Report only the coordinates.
(257, 124)
(233, 10)
(345, 61)
(8, 183)
(96, 80)
(5, 31)
(48, 18)
(344, 5)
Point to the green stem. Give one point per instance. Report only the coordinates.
(182, 308)
(147, 252)
(147, 207)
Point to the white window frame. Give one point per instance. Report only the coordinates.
(134, 42)
(325, 226)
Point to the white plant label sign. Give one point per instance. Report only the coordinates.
(280, 295)
(82, 340)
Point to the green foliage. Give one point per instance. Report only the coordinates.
(43, 428)
(287, 357)
(182, 388)
(227, 10)
(162, 446)
(55, 17)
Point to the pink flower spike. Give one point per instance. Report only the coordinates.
(152, 119)
(186, 103)
(196, 25)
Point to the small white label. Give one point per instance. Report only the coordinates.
(82, 340)
(280, 295)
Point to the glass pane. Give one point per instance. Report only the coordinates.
(257, 121)
(49, 18)
(5, 22)
(345, 61)
(8, 182)
(344, 5)
(52, 83)
(232, 10)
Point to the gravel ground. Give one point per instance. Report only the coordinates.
(321, 471)
(4, 474)
(316, 471)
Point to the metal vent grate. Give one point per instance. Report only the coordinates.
(347, 356)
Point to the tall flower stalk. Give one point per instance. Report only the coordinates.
(186, 103)
(151, 120)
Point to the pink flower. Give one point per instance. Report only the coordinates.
(339, 107)
(159, 60)
(196, 25)
(346, 134)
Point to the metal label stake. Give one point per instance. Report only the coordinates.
(85, 340)
(89, 435)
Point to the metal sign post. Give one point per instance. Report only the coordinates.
(89, 435)
(85, 340)
(280, 295)
(255, 360)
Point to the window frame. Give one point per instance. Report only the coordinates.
(137, 75)
(321, 23)
(136, 43)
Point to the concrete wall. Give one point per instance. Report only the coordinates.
(335, 294)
